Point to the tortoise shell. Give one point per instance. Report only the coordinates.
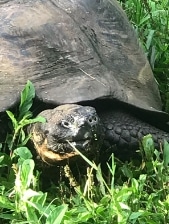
(73, 51)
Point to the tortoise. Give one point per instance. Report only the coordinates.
(89, 71)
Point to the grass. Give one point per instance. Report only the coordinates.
(137, 191)
(150, 18)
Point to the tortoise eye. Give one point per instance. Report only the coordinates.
(65, 124)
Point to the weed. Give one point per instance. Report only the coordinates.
(150, 19)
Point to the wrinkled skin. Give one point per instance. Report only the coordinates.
(65, 125)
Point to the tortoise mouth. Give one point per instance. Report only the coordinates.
(63, 152)
(83, 145)
(85, 141)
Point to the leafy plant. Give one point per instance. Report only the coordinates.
(23, 203)
(20, 199)
(142, 198)
(24, 117)
(150, 19)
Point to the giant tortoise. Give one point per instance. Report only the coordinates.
(83, 58)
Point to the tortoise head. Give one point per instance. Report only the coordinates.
(66, 127)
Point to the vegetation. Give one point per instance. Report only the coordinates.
(136, 192)
(150, 19)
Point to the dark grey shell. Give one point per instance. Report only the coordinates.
(72, 51)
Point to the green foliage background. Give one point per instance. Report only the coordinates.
(150, 18)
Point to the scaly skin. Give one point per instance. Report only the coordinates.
(70, 122)
(124, 131)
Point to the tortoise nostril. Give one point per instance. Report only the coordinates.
(95, 119)
(92, 120)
